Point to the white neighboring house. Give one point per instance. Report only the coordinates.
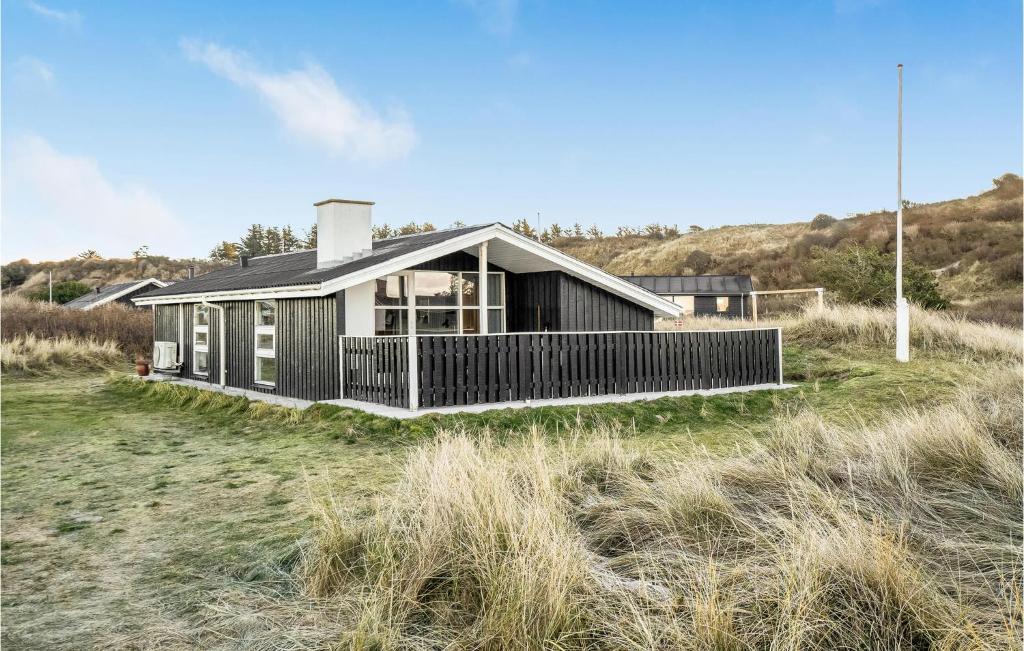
(119, 293)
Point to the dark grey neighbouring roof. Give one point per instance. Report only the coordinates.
(676, 285)
(299, 268)
(94, 297)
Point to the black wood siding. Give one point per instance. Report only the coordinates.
(458, 261)
(307, 349)
(165, 323)
(557, 302)
(307, 346)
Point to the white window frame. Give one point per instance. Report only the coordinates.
(411, 307)
(264, 353)
(196, 346)
(718, 304)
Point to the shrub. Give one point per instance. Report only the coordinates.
(821, 538)
(699, 261)
(821, 221)
(63, 292)
(865, 275)
(130, 329)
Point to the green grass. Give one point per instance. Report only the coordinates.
(135, 517)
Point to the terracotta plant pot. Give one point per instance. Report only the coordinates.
(142, 366)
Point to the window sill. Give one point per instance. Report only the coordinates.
(270, 385)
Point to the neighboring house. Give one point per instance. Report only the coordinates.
(401, 321)
(122, 293)
(726, 296)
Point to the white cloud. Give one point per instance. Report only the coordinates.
(310, 105)
(498, 16)
(57, 204)
(70, 18)
(35, 69)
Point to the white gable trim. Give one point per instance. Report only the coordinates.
(126, 290)
(569, 264)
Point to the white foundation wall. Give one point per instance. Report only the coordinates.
(359, 312)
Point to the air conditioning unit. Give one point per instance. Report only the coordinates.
(165, 356)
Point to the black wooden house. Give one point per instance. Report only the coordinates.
(711, 295)
(461, 316)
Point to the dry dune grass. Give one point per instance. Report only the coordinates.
(931, 332)
(30, 354)
(903, 536)
(131, 329)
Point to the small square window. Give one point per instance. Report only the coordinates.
(722, 303)
(202, 362)
(202, 315)
(266, 370)
(265, 313)
(201, 337)
(265, 342)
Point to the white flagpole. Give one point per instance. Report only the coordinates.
(902, 308)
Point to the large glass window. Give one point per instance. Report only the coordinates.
(444, 303)
(266, 343)
(201, 340)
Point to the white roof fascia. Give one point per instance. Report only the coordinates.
(410, 259)
(256, 293)
(126, 290)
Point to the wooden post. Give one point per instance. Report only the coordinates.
(481, 291)
(753, 306)
(821, 298)
(413, 365)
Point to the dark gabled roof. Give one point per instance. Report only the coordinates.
(674, 285)
(94, 297)
(299, 268)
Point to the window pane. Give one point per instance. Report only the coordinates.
(686, 302)
(202, 362)
(437, 321)
(202, 315)
(469, 289)
(390, 291)
(494, 282)
(391, 322)
(201, 338)
(723, 303)
(265, 313)
(266, 342)
(266, 369)
(436, 288)
(495, 321)
(471, 322)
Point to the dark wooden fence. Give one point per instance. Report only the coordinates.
(473, 369)
(376, 369)
(466, 370)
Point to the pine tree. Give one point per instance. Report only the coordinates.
(225, 251)
(577, 230)
(252, 242)
(311, 237)
(523, 227)
(594, 232)
(272, 241)
(289, 242)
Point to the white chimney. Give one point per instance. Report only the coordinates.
(342, 231)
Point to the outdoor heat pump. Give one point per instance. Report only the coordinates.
(165, 355)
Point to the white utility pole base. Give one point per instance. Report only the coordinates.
(902, 330)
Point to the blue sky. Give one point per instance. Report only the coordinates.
(177, 125)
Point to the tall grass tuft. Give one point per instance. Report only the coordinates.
(130, 329)
(30, 354)
(901, 536)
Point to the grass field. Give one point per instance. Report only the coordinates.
(141, 518)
